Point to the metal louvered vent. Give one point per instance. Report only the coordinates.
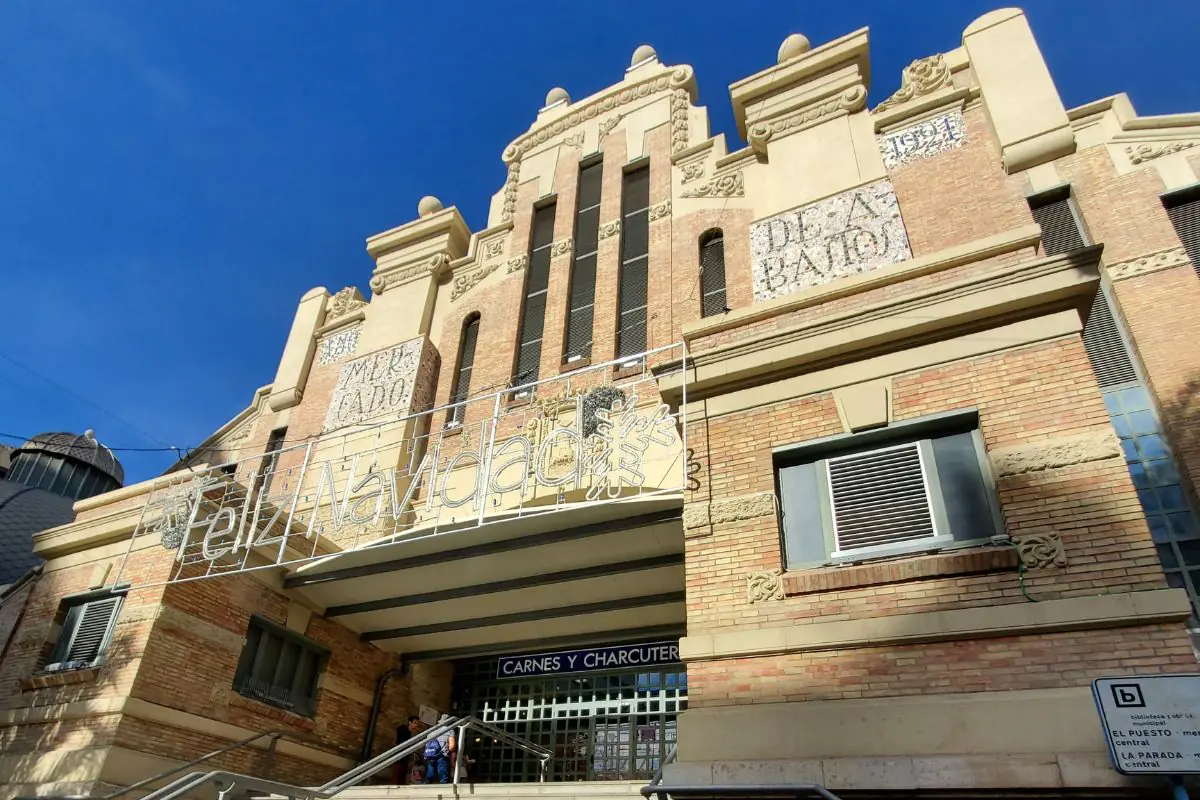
(1105, 347)
(712, 276)
(92, 629)
(879, 498)
(1060, 229)
(1185, 216)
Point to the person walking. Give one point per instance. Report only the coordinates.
(402, 769)
(439, 753)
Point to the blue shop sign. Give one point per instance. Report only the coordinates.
(597, 658)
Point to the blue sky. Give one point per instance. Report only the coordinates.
(176, 175)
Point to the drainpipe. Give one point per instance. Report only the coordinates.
(380, 685)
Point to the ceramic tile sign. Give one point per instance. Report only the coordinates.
(374, 385)
(847, 234)
(928, 138)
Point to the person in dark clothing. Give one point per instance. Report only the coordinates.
(403, 768)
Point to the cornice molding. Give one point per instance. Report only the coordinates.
(436, 266)
(850, 100)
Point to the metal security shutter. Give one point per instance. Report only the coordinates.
(94, 620)
(466, 360)
(583, 265)
(1105, 347)
(533, 313)
(879, 498)
(712, 275)
(1185, 216)
(635, 249)
(1060, 228)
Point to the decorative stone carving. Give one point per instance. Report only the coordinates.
(467, 281)
(1055, 453)
(574, 140)
(762, 587)
(608, 229)
(679, 120)
(1041, 551)
(375, 384)
(660, 210)
(562, 247)
(494, 248)
(609, 124)
(437, 266)
(339, 345)
(511, 187)
(742, 507)
(928, 138)
(517, 264)
(923, 76)
(345, 302)
(760, 133)
(692, 171)
(727, 185)
(1164, 259)
(1140, 153)
(679, 77)
(847, 234)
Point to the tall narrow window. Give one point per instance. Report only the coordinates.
(583, 266)
(1184, 210)
(271, 457)
(712, 274)
(1172, 520)
(635, 250)
(533, 312)
(462, 378)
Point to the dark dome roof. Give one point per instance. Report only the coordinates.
(83, 448)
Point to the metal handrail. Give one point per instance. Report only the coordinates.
(275, 736)
(234, 786)
(783, 791)
(658, 773)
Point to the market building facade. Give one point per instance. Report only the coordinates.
(849, 456)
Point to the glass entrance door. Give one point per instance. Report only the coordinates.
(599, 725)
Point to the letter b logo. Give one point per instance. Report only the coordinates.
(1128, 695)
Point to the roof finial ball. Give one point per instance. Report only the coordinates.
(644, 53)
(429, 205)
(795, 45)
(557, 95)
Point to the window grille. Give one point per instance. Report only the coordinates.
(880, 498)
(582, 297)
(635, 251)
(1184, 211)
(1106, 348)
(1055, 213)
(466, 361)
(279, 667)
(533, 311)
(712, 274)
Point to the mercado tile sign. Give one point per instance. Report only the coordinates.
(375, 384)
(840, 236)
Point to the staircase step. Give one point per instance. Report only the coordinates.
(580, 790)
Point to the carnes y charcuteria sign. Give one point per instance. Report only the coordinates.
(597, 658)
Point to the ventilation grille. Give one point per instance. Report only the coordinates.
(93, 627)
(1185, 216)
(712, 277)
(1060, 230)
(1105, 347)
(466, 361)
(879, 498)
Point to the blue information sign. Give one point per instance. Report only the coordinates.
(619, 657)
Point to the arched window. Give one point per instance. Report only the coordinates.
(712, 273)
(462, 377)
